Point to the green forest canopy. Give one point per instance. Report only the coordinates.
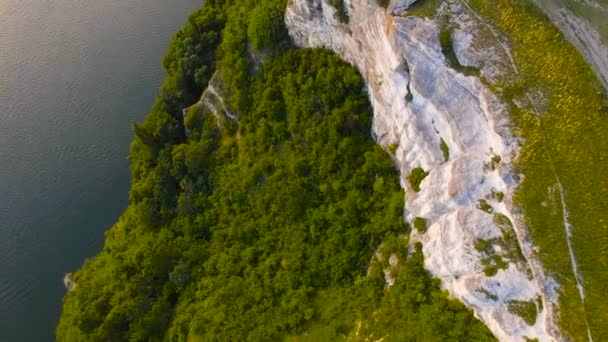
(265, 228)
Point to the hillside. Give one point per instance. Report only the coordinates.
(360, 169)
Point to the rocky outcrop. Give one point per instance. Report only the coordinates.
(212, 101)
(69, 284)
(474, 242)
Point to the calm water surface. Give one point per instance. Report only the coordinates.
(73, 75)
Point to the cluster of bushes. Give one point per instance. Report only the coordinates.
(247, 233)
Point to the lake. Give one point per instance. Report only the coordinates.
(73, 76)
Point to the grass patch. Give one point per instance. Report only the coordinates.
(493, 264)
(510, 243)
(509, 249)
(568, 140)
(485, 246)
(420, 224)
(424, 8)
(525, 309)
(416, 177)
(393, 148)
(503, 222)
(483, 205)
(491, 261)
(445, 149)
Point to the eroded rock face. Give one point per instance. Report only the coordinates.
(399, 7)
(213, 99)
(418, 101)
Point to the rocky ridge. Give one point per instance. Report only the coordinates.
(475, 242)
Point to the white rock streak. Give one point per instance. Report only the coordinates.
(394, 54)
(575, 269)
(213, 99)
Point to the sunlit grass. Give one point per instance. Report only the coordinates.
(567, 140)
(424, 8)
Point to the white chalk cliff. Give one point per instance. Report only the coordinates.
(418, 100)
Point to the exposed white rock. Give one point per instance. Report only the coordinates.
(393, 265)
(69, 284)
(394, 54)
(212, 99)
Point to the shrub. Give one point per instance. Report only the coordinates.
(525, 309)
(409, 97)
(483, 205)
(492, 264)
(416, 177)
(393, 148)
(420, 224)
(485, 246)
(445, 149)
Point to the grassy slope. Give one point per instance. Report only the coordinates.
(569, 141)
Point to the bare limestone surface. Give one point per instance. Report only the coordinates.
(418, 101)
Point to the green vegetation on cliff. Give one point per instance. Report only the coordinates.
(566, 141)
(416, 177)
(265, 228)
